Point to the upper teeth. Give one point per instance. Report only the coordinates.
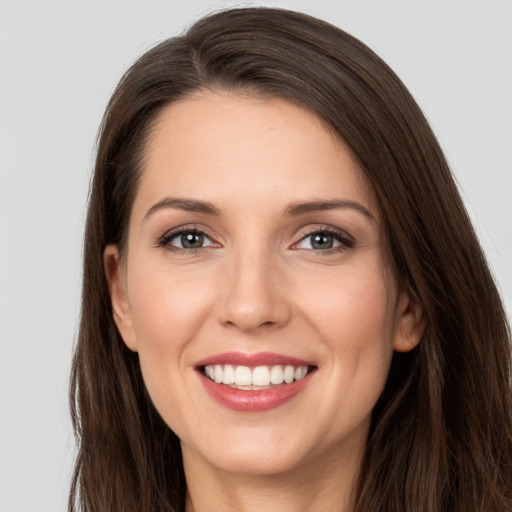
(258, 376)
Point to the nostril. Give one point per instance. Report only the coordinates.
(245, 323)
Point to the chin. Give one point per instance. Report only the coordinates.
(258, 462)
(253, 454)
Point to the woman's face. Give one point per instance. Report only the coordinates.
(255, 286)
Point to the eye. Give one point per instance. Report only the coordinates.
(186, 239)
(322, 240)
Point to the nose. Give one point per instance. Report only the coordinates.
(253, 296)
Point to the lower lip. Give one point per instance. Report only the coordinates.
(253, 400)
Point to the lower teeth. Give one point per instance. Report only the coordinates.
(250, 388)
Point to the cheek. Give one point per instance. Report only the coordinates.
(355, 317)
(167, 309)
(354, 309)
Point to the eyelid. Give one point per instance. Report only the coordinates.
(346, 240)
(164, 240)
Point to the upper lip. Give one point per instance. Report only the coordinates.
(253, 360)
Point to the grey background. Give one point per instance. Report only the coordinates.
(59, 62)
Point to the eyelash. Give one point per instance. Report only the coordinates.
(345, 240)
(165, 240)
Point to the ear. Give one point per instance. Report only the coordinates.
(411, 322)
(121, 311)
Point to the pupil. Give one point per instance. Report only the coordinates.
(192, 240)
(322, 241)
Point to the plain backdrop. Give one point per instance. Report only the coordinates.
(59, 62)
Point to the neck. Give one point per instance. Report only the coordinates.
(315, 487)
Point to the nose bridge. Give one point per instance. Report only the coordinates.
(253, 297)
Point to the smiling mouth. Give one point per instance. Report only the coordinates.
(254, 378)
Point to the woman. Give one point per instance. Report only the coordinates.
(285, 306)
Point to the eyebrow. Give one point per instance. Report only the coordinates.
(318, 206)
(295, 209)
(189, 205)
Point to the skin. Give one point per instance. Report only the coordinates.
(258, 285)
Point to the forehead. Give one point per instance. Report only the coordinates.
(223, 146)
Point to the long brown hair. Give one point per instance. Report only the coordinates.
(441, 433)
